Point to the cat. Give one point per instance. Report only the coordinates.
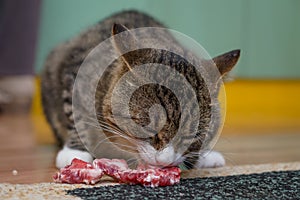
(58, 79)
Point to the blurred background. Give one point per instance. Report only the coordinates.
(263, 98)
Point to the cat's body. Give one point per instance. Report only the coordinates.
(57, 89)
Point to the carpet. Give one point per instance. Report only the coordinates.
(228, 180)
(269, 185)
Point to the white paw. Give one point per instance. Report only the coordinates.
(210, 159)
(66, 155)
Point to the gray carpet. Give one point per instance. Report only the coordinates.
(270, 185)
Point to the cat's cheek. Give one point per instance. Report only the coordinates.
(66, 155)
(212, 159)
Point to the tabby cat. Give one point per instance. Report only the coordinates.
(58, 81)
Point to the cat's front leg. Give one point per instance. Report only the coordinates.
(67, 154)
(210, 159)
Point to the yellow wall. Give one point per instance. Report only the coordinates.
(42, 130)
(253, 107)
(263, 106)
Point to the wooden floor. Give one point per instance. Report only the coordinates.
(34, 163)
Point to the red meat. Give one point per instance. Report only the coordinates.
(78, 172)
(151, 177)
(82, 172)
(111, 167)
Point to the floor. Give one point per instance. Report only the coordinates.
(23, 160)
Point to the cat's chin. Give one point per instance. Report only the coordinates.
(66, 155)
(210, 160)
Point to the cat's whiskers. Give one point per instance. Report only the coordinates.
(98, 122)
(133, 161)
(114, 131)
(186, 163)
(117, 144)
(137, 159)
(135, 153)
(118, 133)
(107, 126)
(103, 123)
(199, 153)
(109, 129)
(124, 145)
(142, 151)
(102, 141)
(228, 158)
(107, 138)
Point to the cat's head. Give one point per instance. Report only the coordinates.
(156, 108)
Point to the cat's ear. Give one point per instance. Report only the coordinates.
(124, 42)
(227, 61)
(118, 28)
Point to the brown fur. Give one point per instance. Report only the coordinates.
(62, 66)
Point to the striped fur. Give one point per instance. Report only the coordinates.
(62, 66)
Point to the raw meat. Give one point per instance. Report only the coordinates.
(78, 172)
(111, 167)
(83, 172)
(151, 177)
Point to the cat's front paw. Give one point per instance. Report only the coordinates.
(210, 159)
(66, 155)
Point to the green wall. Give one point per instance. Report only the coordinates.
(268, 32)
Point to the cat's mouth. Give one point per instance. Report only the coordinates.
(160, 158)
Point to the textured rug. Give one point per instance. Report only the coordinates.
(270, 185)
(269, 181)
